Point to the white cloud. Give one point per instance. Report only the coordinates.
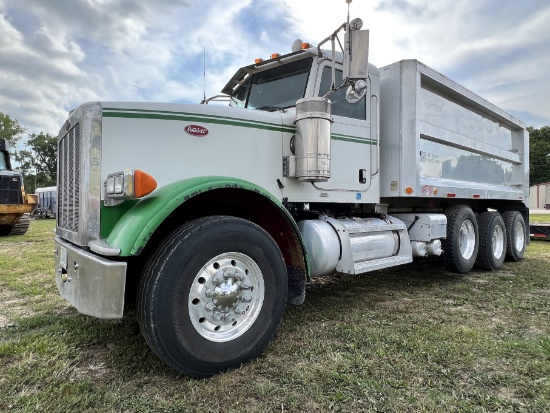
(60, 53)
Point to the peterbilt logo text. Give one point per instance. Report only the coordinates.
(196, 130)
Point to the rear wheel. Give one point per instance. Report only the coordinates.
(462, 242)
(492, 241)
(212, 295)
(515, 231)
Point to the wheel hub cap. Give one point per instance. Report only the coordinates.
(467, 239)
(226, 297)
(498, 241)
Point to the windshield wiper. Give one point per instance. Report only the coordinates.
(269, 108)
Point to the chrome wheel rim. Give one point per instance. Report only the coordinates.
(467, 241)
(520, 236)
(226, 297)
(498, 241)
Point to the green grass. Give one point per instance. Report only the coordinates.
(539, 217)
(410, 339)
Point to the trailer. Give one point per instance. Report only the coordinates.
(47, 202)
(539, 231)
(215, 217)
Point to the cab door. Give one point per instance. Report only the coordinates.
(352, 148)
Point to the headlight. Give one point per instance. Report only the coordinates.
(128, 184)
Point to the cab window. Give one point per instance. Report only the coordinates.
(340, 106)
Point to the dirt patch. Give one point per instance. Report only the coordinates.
(11, 307)
(93, 364)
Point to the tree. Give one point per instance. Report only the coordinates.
(539, 156)
(38, 162)
(11, 131)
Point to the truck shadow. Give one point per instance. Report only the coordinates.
(119, 348)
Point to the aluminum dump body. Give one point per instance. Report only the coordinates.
(440, 140)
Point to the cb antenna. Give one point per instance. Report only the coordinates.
(349, 2)
(204, 71)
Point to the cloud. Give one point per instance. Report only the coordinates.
(56, 55)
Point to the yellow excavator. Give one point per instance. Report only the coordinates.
(15, 205)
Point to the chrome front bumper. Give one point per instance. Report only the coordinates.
(92, 284)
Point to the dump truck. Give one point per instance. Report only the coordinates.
(214, 216)
(15, 205)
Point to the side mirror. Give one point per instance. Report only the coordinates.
(356, 91)
(356, 51)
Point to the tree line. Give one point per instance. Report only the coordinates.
(36, 156)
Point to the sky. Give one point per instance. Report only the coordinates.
(56, 54)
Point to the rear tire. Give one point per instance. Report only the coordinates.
(516, 238)
(462, 242)
(492, 241)
(212, 296)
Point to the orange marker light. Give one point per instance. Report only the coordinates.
(275, 55)
(144, 183)
(305, 45)
(258, 60)
(409, 190)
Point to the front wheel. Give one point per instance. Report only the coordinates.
(462, 243)
(212, 295)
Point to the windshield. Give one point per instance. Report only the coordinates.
(277, 88)
(3, 161)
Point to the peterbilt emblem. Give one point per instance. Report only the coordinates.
(196, 130)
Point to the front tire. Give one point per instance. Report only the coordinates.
(212, 295)
(492, 241)
(462, 243)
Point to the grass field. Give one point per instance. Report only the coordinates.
(410, 339)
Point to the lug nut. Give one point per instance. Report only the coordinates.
(210, 307)
(246, 298)
(217, 281)
(228, 274)
(239, 311)
(209, 293)
(218, 316)
(245, 286)
(229, 318)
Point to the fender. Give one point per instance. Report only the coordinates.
(136, 222)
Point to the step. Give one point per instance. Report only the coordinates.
(372, 265)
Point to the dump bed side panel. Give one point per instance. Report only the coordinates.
(440, 140)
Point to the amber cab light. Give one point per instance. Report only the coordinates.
(275, 55)
(144, 183)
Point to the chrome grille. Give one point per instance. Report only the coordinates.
(69, 180)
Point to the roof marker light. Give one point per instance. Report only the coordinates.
(258, 60)
(275, 55)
